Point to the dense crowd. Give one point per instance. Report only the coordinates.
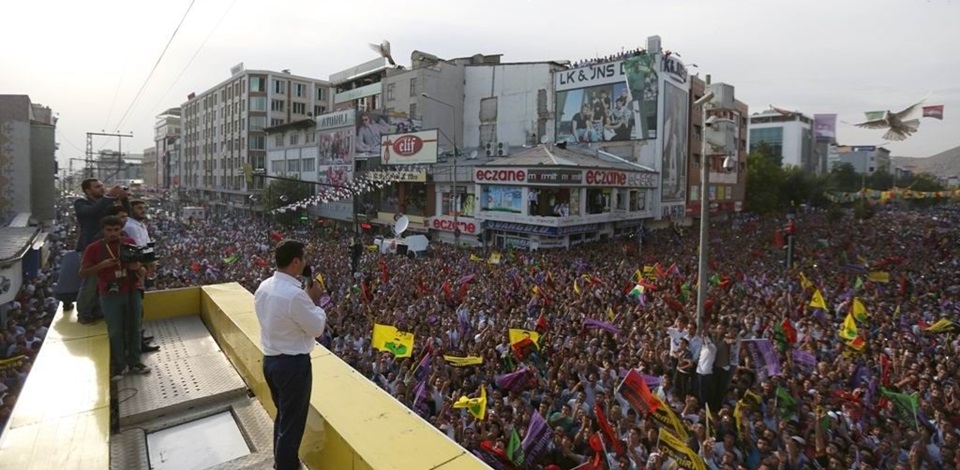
(822, 396)
(818, 399)
(624, 55)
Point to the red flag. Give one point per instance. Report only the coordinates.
(634, 390)
(789, 331)
(383, 271)
(462, 293)
(276, 236)
(607, 430)
(935, 112)
(365, 291)
(884, 370)
(542, 324)
(447, 290)
(674, 304)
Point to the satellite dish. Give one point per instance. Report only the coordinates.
(473, 155)
(401, 225)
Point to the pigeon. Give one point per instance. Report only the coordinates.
(384, 50)
(898, 128)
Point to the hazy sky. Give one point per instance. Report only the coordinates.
(87, 59)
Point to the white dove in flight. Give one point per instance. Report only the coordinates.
(897, 125)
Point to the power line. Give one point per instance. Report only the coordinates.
(195, 54)
(155, 65)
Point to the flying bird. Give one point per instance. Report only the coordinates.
(897, 125)
(384, 50)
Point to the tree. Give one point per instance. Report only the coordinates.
(881, 180)
(764, 183)
(844, 177)
(279, 193)
(924, 182)
(766, 151)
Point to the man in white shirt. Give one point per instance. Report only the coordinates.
(290, 320)
(136, 229)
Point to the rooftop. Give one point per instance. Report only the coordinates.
(301, 124)
(549, 155)
(14, 241)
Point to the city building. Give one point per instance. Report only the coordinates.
(150, 167)
(28, 166)
(166, 137)
(865, 159)
(113, 168)
(359, 87)
(551, 197)
(727, 188)
(222, 130)
(789, 134)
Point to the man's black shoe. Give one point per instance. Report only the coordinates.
(88, 320)
(149, 348)
(147, 339)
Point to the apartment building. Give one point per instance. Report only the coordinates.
(223, 129)
(169, 165)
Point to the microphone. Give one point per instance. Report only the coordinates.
(308, 275)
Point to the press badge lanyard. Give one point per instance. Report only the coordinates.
(119, 272)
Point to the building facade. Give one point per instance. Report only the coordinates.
(28, 165)
(359, 87)
(727, 189)
(223, 130)
(550, 197)
(865, 159)
(166, 139)
(788, 133)
(150, 167)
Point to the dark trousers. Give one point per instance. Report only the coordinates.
(705, 390)
(290, 379)
(122, 313)
(88, 298)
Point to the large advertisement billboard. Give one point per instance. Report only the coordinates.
(502, 199)
(676, 125)
(610, 102)
(825, 127)
(372, 126)
(338, 175)
(412, 148)
(335, 137)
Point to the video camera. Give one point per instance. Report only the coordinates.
(137, 254)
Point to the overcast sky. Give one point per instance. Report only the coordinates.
(87, 59)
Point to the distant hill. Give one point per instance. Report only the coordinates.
(944, 164)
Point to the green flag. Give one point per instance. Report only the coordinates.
(873, 115)
(785, 402)
(859, 284)
(906, 405)
(515, 449)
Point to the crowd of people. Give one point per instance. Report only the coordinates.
(623, 55)
(773, 378)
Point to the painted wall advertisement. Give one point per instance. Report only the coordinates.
(502, 199)
(372, 126)
(335, 138)
(608, 102)
(825, 127)
(411, 148)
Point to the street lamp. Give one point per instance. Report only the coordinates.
(456, 190)
(728, 164)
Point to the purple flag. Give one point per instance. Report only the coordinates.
(651, 380)
(514, 380)
(805, 360)
(538, 436)
(591, 323)
(764, 357)
(467, 279)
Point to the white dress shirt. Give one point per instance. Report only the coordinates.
(137, 231)
(289, 320)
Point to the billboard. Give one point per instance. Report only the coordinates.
(372, 126)
(336, 146)
(338, 175)
(412, 148)
(502, 199)
(676, 125)
(825, 127)
(597, 103)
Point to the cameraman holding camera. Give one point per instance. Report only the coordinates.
(112, 264)
(135, 228)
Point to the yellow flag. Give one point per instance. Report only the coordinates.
(848, 330)
(859, 311)
(387, 338)
(804, 282)
(319, 279)
(942, 326)
(817, 301)
(879, 276)
(517, 335)
(463, 361)
(494, 258)
(576, 287)
(475, 258)
(678, 450)
(737, 414)
(477, 407)
(638, 276)
(610, 315)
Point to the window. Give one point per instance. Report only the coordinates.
(299, 89)
(299, 108)
(279, 87)
(257, 103)
(257, 84)
(459, 202)
(318, 110)
(390, 91)
(502, 199)
(278, 141)
(257, 142)
(598, 200)
(311, 137)
(320, 94)
(308, 164)
(276, 105)
(550, 202)
(257, 123)
(276, 167)
(294, 138)
(413, 111)
(488, 110)
(293, 166)
(275, 122)
(413, 87)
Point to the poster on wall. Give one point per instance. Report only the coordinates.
(825, 127)
(676, 125)
(335, 174)
(372, 126)
(502, 199)
(596, 103)
(336, 147)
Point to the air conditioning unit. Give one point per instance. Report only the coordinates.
(490, 148)
(503, 149)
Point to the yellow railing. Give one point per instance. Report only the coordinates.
(62, 418)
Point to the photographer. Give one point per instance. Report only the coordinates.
(89, 211)
(118, 279)
(135, 228)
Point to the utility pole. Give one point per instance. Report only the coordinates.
(88, 170)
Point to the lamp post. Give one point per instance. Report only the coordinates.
(456, 190)
(704, 210)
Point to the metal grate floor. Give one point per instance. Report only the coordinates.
(188, 372)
